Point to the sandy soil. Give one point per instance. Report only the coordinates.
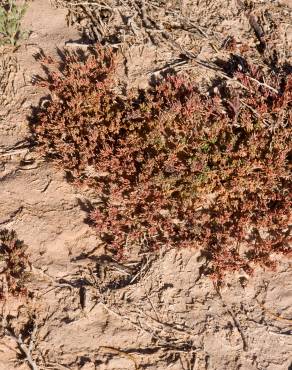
(160, 312)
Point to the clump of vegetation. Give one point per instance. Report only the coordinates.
(11, 15)
(13, 263)
(174, 167)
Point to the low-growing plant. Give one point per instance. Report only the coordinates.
(174, 167)
(11, 15)
(14, 264)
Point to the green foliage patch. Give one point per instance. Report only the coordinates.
(11, 15)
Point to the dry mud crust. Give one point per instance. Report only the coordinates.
(87, 311)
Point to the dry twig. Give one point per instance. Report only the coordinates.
(26, 350)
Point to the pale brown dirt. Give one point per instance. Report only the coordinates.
(160, 312)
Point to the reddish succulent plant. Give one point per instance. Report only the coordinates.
(175, 167)
(14, 263)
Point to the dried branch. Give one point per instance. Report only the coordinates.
(26, 351)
